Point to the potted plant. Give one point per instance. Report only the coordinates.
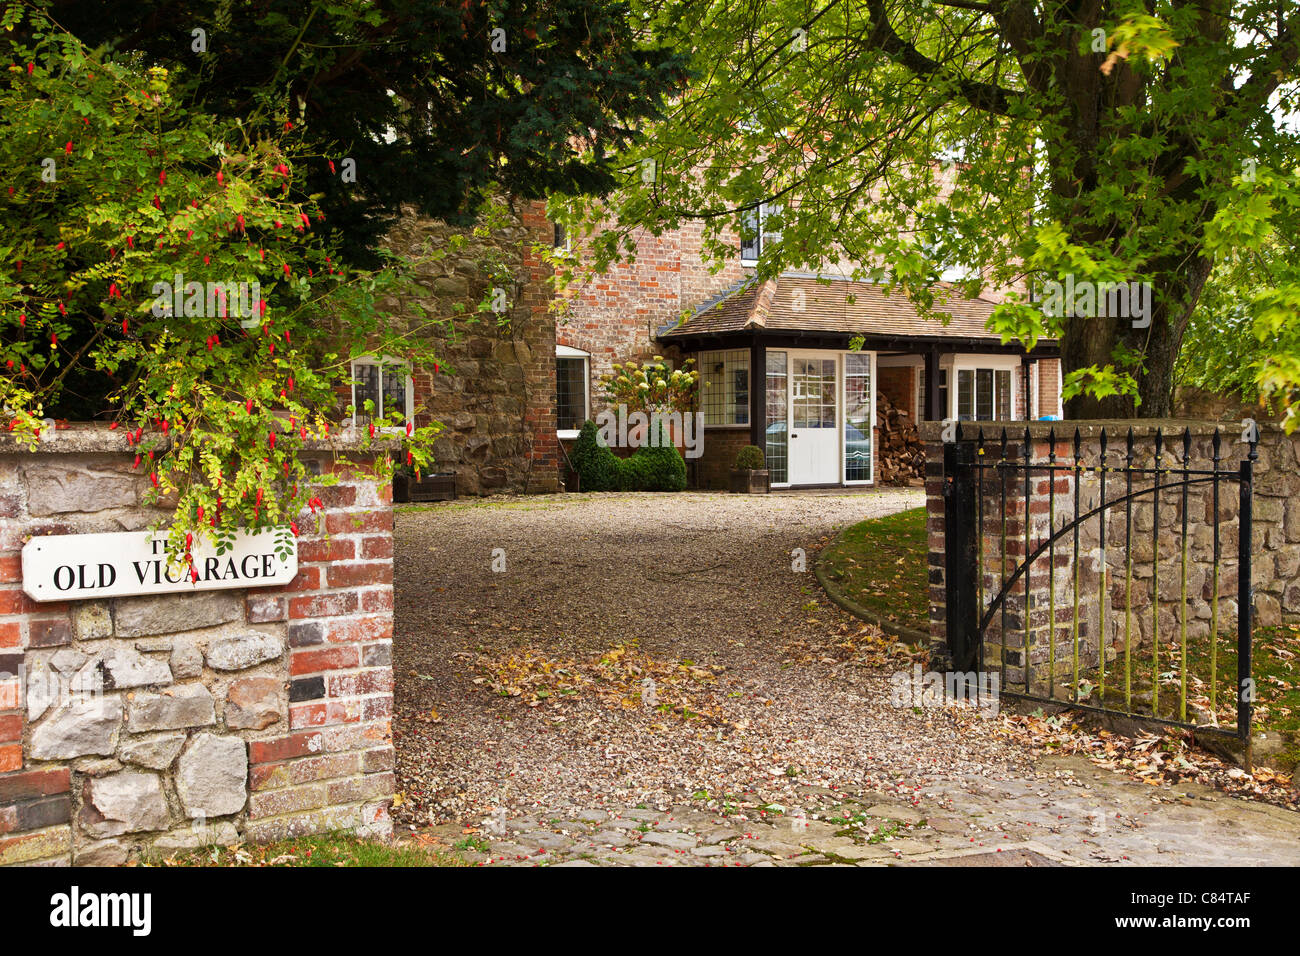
(750, 475)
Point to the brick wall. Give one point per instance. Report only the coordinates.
(898, 384)
(718, 455)
(161, 723)
(614, 317)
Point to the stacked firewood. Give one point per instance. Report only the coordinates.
(901, 457)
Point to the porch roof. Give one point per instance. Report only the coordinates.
(837, 307)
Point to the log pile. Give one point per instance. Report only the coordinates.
(901, 456)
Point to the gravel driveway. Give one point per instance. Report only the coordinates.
(527, 629)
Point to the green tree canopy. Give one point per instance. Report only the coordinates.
(1007, 142)
(431, 105)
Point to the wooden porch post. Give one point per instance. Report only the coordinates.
(932, 413)
(758, 393)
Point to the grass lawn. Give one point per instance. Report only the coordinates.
(338, 849)
(880, 564)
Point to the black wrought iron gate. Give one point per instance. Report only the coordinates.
(1015, 515)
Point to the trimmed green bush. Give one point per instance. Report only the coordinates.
(648, 469)
(751, 458)
(597, 466)
(654, 469)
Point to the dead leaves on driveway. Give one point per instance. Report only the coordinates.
(622, 678)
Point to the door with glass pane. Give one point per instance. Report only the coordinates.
(814, 419)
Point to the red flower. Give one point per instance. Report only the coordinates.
(248, 406)
(67, 150)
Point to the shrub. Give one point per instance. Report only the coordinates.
(750, 458)
(596, 465)
(654, 469)
(648, 469)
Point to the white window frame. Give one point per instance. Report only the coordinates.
(973, 361)
(568, 352)
(842, 389)
(567, 244)
(764, 234)
(384, 361)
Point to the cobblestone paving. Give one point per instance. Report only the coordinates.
(870, 784)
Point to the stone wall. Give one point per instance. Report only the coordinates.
(159, 723)
(1156, 601)
(495, 388)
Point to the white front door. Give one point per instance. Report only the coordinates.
(814, 419)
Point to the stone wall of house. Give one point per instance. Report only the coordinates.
(495, 387)
(152, 724)
(1156, 550)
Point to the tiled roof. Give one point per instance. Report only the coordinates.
(807, 304)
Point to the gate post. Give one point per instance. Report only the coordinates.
(1245, 606)
(960, 552)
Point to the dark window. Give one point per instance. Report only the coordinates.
(383, 385)
(561, 237)
(570, 393)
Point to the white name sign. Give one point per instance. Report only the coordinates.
(80, 567)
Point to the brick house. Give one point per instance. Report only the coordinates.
(776, 361)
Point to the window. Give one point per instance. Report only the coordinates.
(858, 401)
(561, 240)
(725, 377)
(778, 455)
(984, 394)
(387, 384)
(812, 398)
(572, 379)
(757, 232)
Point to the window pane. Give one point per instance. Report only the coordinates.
(393, 382)
(857, 417)
(984, 394)
(570, 393)
(750, 243)
(725, 380)
(366, 389)
(777, 437)
(965, 394)
(1004, 394)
